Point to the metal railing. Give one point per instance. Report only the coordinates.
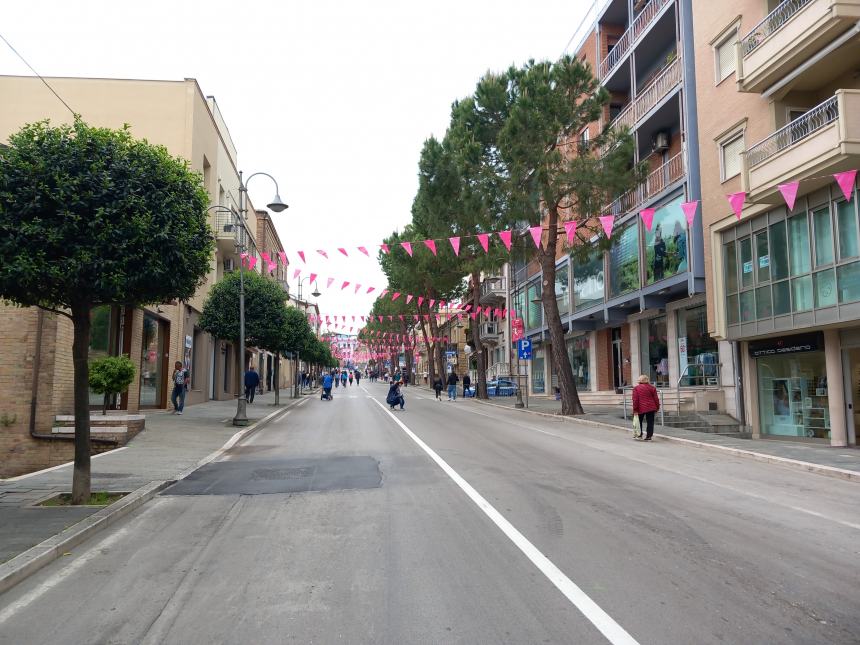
(641, 22)
(656, 181)
(489, 330)
(797, 130)
(665, 81)
(772, 23)
(710, 375)
(493, 286)
(498, 369)
(225, 226)
(629, 388)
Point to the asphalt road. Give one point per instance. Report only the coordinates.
(460, 523)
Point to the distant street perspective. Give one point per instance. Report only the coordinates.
(466, 322)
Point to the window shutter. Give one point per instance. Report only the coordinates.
(726, 62)
(732, 157)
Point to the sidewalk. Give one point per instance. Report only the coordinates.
(814, 454)
(169, 445)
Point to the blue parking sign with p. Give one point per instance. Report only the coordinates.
(524, 349)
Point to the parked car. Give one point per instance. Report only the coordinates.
(496, 387)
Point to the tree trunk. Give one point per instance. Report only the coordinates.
(105, 404)
(437, 347)
(278, 379)
(80, 354)
(481, 385)
(570, 403)
(431, 358)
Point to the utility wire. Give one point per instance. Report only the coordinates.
(48, 85)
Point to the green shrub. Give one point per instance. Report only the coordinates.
(111, 375)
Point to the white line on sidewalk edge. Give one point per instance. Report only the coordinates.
(613, 632)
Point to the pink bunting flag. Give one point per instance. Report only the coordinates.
(455, 244)
(272, 267)
(689, 209)
(283, 257)
(344, 285)
(431, 244)
(484, 239)
(409, 298)
(487, 311)
(789, 193)
(302, 256)
(385, 248)
(408, 247)
(607, 221)
(497, 312)
(244, 256)
(426, 316)
(329, 283)
(371, 289)
(846, 182)
(390, 318)
(312, 277)
(736, 200)
(647, 215)
(432, 302)
(265, 257)
(467, 307)
(536, 232)
(344, 252)
(441, 304)
(379, 318)
(297, 273)
(400, 316)
(364, 250)
(570, 230)
(395, 296)
(323, 253)
(420, 300)
(252, 262)
(357, 287)
(415, 317)
(505, 236)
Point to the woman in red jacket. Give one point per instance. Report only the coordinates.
(646, 402)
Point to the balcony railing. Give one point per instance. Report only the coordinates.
(636, 28)
(493, 286)
(224, 225)
(489, 330)
(795, 131)
(772, 23)
(656, 181)
(650, 96)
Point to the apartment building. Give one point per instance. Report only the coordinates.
(640, 307)
(778, 87)
(36, 346)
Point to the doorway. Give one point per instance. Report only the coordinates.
(617, 359)
(153, 362)
(851, 368)
(214, 346)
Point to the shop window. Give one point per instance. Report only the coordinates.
(793, 395)
(846, 219)
(624, 261)
(588, 281)
(666, 243)
(823, 237)
(825, 288)
(654, 337)
(151, 364)
(781, 298)
(697, 351)
(848, 278)
(538, 376)
(778, 252)
(798, 244)
(577, 354)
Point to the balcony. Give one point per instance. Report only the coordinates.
(492, 290)
(647, 98)
(789, 36)
(817, 144)
(489, 331)
(618, 53)
(656, 182)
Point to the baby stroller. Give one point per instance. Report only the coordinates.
(326, 394)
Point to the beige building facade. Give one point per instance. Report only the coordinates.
(37, 373)
(778, 90)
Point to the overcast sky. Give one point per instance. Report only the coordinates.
(334, 99)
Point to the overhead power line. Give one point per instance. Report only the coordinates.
(48, 85)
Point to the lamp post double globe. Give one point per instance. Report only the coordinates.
(241, 233)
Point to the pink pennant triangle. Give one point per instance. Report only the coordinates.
(370, 290)
(379, 318)
(384, 291)
(484, 239)
(408, 247)
(432, 302)
(647, 215)
(505, 236)
(357, 287)
(431, 244)
(607, 222)
(302, 256)
(846, 182)
(536, 232)
(323, 253)
(272, 266)
(467, 307)
(344, 285)
(283, 257)
(395, 296)
(789, 193)
(364, 250)
(736, 200)
(344, 252)
(409, 298)
(570, 231)
(455, 244)
(252, 262)
(265, 257)
(689, 209)
(420, 300)
(329, 283)
(385, 248)
(312, 277)
(297, 273)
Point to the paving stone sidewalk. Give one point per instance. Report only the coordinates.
(169, 445)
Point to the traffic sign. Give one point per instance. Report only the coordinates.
(524, 349)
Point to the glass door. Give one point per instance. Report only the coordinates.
(152, 362)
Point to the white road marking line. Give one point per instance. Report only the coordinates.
(702, 480)
(68, 463)
(613, 632)
(62, 574)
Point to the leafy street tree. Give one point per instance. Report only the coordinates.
(91, 216)
(111, 375)
(542, 108)
(298, 339)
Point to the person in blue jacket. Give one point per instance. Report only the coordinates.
(326, 386)
(252, 380)
(394, 396)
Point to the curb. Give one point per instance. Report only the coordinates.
(30, 561)
(827, 471)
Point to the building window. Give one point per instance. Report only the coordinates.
(654, 339)
(724, 56)
(588, 281)
(666, 243)
(535, 308)
(698, 356)
(793, 395)
(538, 377)
(583, 140)
(562, 289)
(577, 354)
(730, 156)
(624, 261)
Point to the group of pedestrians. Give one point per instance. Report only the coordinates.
(451, 381)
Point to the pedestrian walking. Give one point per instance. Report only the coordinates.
(437, 386)
(646, 401)
(395, 397)
(336, 378)
(326, 388)
(453, 379)
(467, 381)
(350, 378)
(252, 380)
(180, 380)
(358, 377)
(343, 378)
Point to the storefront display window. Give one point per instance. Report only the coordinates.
(697, 351)
(538, 377)
(624, 260)
(577, 353)
(151, 372)
(535, 308)
(666, 243)
(588, 281)
(654, 336)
